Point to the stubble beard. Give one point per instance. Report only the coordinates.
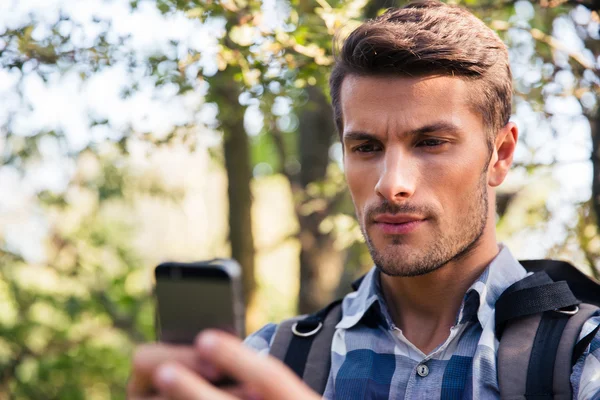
(448, 247)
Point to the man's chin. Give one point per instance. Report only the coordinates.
(405, 269)
(404, 260)
(400, 255)
(396, 246)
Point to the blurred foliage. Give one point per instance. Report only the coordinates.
(70, 318)
(66, 322)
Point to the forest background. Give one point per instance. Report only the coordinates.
(133, 132)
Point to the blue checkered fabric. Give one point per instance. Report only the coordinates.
(371, 358)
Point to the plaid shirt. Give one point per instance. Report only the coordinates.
(371, 358)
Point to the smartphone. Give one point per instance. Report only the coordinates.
(195, 296)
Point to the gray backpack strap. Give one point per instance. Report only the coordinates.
(513, 356)
(282, 338)
(563, 365)
(515, 351)
(318, 362)
(290, 344)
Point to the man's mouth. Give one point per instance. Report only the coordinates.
(397, 224)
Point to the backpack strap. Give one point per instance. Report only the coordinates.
(514, 353)
(567, 353)
(532, 365)
(304, 344)
(531, 295)
(583, 287)
(538, 322)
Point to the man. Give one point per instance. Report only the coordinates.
(422, 100)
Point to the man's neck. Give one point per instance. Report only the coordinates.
(425, 307)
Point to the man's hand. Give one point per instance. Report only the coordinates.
(148, 358)
(185, 373)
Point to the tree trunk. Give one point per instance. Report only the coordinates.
(595, 130)
(320, 262)
(317, 132)
(239, 175)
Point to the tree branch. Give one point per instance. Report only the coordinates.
(551, 164)
(549, 40)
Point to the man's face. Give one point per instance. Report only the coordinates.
(416, 161)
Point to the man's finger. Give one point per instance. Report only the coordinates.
(148, 357)
(266, 375)
(176, 382)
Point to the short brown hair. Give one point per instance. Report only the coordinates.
(427, 38)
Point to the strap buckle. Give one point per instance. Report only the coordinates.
(306, 334)
(574, 310)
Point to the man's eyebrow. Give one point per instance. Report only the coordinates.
(423, 130)
(435, 127)
(359, 136)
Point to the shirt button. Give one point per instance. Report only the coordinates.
(422, 370)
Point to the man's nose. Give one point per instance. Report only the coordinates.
(398, 177)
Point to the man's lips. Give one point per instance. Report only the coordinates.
(396, 218)
(397, 224)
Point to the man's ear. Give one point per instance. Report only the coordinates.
(502, 155)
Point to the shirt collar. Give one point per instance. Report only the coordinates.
(503, 271)
(357, 303)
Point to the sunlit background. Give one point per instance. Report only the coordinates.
(134, 132)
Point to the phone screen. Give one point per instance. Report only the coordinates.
(189, 303)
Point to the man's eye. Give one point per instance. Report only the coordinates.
(431, 142)
(367, 148)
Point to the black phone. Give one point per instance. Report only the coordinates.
(195, 296)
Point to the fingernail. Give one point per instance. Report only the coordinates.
(166, 374)
(207, 341)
